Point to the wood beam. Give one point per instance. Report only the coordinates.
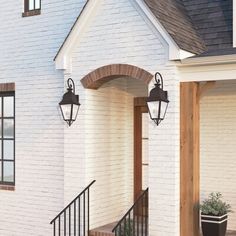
(206, 86)
(189, 158)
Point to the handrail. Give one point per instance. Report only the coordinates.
(73, 201)
(129, 211)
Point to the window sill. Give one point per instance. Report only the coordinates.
(7, 187)
(31, 13)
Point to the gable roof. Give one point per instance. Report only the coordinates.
(196, 26)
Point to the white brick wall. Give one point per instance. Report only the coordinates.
(119, 34)
(27, 48)
(218, 135)
(45, 180)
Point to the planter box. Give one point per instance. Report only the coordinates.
(214, 225)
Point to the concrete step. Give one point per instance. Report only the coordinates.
(105, 230)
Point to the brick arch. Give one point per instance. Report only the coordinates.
(100, 76)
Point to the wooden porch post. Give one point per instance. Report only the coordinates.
(189, 159)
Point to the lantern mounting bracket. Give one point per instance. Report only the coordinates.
(159, 81)
(71, 84)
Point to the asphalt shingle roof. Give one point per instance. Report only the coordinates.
(196, 25)
(174, 18)
(213, 19)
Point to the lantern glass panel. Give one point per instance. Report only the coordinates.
(66, 111)
(163, 109)
(75, 111)
(153, 109)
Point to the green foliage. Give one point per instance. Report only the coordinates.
(127, 228)
(214, 205)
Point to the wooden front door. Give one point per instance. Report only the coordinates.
(141, 118)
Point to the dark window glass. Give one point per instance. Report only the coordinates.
(7, 138)
(31, 5)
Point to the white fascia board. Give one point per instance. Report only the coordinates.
(234, 23)
(175, 53)
(208, 60)
(63, 60)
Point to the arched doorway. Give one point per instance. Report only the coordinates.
(117, 126)
(100, 76)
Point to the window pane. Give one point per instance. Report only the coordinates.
(8, 149)
(8, 107)
(0, 107)
(31, 4)
(8, 128)
(37, 4)
(8, 171)
(0, 171)
(0, 128)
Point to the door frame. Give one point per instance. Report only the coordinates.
(140, 107)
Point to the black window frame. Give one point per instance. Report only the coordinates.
(2, 118)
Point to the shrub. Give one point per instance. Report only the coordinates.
(214, 205)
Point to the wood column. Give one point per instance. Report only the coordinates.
(189, 158)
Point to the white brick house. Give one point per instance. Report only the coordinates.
(53, 41)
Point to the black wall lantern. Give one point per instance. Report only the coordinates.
(158, 101)
(70, 103)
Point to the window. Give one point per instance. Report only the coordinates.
(32, 7)
(7, 138)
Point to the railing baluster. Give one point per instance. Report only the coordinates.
(129, 223)
(59, 226)
(79, 216)
(138, 212)
(146, 215)
(75, 218)
(134, 221)
(84, 226)
(88, 200)
(69, 221)
(54, 228)
(65, 223)
(142, 205)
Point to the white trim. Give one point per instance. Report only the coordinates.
(63, 60)
(214, 222)
(175, 53)
(208, 60)
(214, 217)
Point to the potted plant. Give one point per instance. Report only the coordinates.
(214, 215)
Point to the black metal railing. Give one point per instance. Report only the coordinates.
(73, 220)
(135, 221)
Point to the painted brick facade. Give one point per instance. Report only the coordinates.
(27, 48)
(218, 134)
(53, 162)
(118, 33)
